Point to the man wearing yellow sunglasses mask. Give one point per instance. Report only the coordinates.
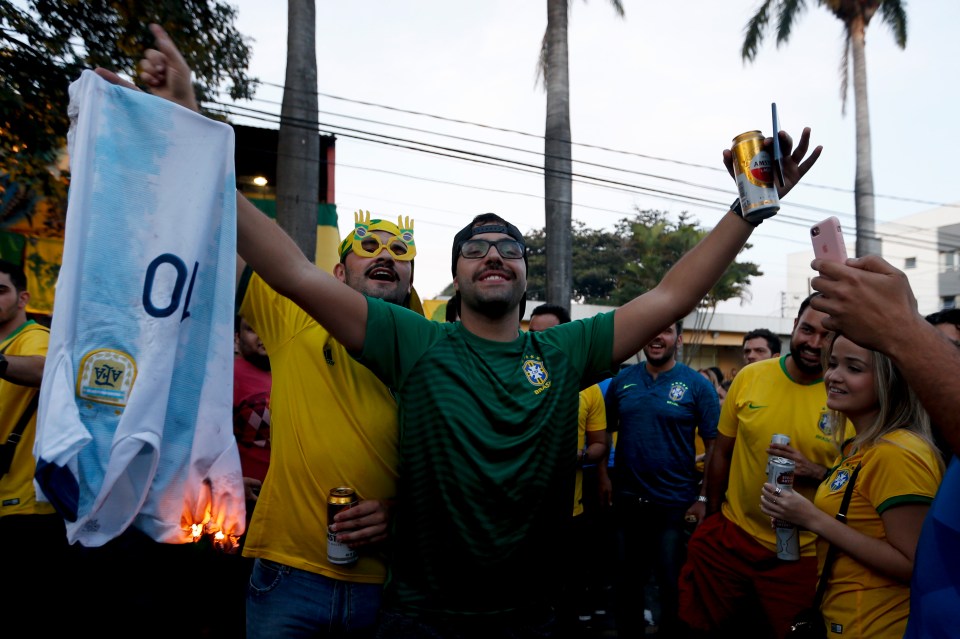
(332, 424)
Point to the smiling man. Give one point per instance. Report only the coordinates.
(487, 412)
(732, 557)
(657, 407)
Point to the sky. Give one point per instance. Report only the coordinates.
(655, 98)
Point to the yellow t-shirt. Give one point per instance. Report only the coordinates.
(332, 424)
(763, 401)
(17, 494)
(900, 469)
(592, 417)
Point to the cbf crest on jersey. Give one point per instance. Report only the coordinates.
(843, 476)
(824, 424)
(677, 391)
(535, 371)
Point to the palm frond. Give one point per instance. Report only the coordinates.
(789, 11)
(618, 7)
(541, 79)
(753, 32)
(894, 15)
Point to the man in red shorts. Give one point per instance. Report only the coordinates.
(733, 576)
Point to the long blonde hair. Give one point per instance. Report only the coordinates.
(899, 407)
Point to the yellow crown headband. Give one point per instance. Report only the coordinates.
(365, 243)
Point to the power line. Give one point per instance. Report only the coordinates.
(515, 165)
(586, 145)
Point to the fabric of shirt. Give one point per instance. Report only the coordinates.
(134, 423)
(657, 421)
(17, 493)
(592, 417)
(935, 587)
(251, 417)
(763, 401)
(899, 469)
(332, 424)
(488, 446)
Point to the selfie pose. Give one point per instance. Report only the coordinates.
(868, 589)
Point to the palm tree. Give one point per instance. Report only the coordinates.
(856, 16)
(298, 144)
(557, 156)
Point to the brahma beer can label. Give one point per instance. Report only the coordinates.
(753, 170)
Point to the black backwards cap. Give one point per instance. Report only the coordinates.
(497, 225)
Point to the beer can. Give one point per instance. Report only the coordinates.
(781, 473)
(338, 553)
(783, 440)
(753, 170)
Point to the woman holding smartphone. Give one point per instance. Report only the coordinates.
(868, 589)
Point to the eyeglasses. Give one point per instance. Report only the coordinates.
(475, 249)
(371, 246)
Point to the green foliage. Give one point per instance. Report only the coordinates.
(45, 44)
(612, 268)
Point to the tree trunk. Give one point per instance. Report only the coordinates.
(298, 146)
(867, 240)
(556, 161)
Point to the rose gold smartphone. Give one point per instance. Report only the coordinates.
(827, 238)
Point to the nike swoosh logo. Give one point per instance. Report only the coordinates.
(628, 386)
(752, 406)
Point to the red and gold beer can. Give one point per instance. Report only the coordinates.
(753, 170)
(338, 553)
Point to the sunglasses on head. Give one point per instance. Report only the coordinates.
(475, 249)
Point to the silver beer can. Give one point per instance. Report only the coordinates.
(781, 473)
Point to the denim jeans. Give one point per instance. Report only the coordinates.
(652, 540)
(288, 602)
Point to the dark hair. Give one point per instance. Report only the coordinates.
(552, 309)
(805, 303)
(719, 373)
(945, 316)
(453, 308)
(17, 277)
(773, 341)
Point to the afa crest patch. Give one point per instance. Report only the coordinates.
(106, 376)
(535, 372)
(677, 391)
(843, 476)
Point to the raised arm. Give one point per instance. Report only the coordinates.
(260, 242)
(692, 277)
(871, 302)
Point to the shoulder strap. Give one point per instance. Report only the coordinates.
(832, 550)
(8, 447)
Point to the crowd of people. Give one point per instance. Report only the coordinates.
(480, 452)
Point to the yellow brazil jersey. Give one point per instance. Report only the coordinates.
(901, 468)
(17, 494)
(592, 417)
(763, 400)
(332, 424)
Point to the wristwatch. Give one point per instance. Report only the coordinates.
(3, 364)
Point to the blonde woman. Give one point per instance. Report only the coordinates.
(868, 589)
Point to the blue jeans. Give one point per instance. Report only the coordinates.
(288, 602)
(652, 540)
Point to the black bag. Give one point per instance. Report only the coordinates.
(808, 624)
